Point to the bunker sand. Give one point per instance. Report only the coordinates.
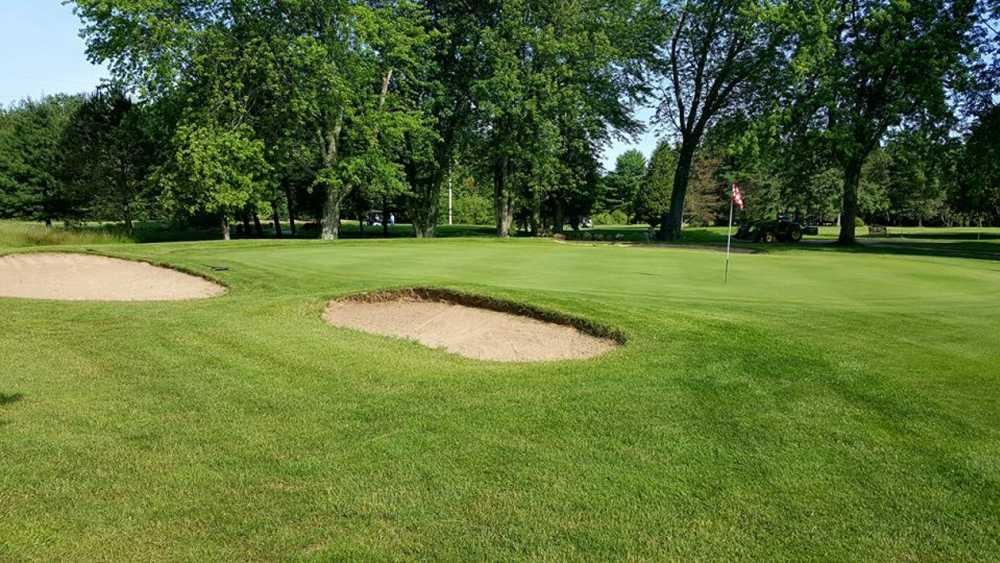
(467, 331)
(83, 277)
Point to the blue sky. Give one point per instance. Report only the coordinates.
(42, 51)
(42, 54)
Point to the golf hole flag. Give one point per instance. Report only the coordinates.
(737, 200)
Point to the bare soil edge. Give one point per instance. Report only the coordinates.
(454, 297)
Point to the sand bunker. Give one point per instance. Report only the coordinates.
(83, 277)
(472, 331)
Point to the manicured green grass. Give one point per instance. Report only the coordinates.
(823, 406)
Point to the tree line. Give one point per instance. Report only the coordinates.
(277, 111)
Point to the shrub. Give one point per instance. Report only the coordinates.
(616, 217)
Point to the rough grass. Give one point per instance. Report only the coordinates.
(822, 406)
(14, 234)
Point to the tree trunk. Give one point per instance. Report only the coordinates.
(537, 228)
(672, 221)
(330, 221)
(331, 215)
(560, 220)
(258, 229)
(849, 208)
(290, 199)
(127, 218)
(246, 224)
(502, 199)
(425, 209)
(385, 217)
(225, 228)
(276, 219)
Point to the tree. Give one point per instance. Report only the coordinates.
(554, 76)
(653, 200)
(722, 57)
(625, 182)
(917, 174)
(358, 58)
(444, 95)
(703, 201)
(887, 63)
(108, 156)
(31, 160)
(979, 187)
(214, 170)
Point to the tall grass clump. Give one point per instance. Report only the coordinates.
(22, 234)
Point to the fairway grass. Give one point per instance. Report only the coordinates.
(823, 405)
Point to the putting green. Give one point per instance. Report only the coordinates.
(823, 405)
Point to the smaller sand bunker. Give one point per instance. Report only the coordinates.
(83, 277)
(469, 326)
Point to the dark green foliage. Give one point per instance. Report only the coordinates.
(722, 58)
(653, 200)
(814, 107)
(33, 175)
(977, 191)
(108, 155)
(882, 65)
(623, 184)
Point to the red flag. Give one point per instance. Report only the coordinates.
(737, 196)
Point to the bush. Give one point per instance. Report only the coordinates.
(859, 222)
(616, 217)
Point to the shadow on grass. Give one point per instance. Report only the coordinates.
(151, 232)
(898, 247)
(9, 398)
(970, 235)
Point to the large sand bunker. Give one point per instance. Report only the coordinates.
(83, 277)
(472, 326)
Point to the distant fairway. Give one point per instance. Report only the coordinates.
(826, 404)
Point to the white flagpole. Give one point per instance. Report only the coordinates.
(729, 236)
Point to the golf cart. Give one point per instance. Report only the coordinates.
(782, 229)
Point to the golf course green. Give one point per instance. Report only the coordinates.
(825, 404)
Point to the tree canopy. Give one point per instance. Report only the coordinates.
(317, 110)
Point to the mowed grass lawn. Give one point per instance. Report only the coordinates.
(824, 405)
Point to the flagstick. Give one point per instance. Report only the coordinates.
(729, 238)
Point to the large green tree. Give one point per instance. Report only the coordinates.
(108, 154)
(722, 57)
(215, 170)
(623, 184)
(653, 200)
(556, 78)
(887, 65)
(361, 56)
(32, 180)
(977, 192)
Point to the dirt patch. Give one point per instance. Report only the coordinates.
(84, 277)
(473, 326)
